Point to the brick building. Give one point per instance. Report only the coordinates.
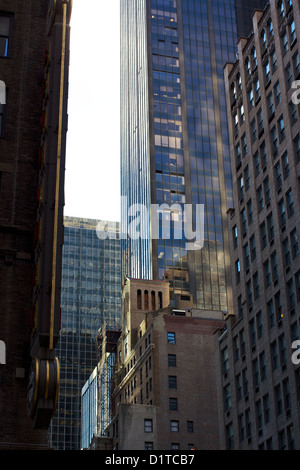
(34, 56)
(258, 382)
(164, 394)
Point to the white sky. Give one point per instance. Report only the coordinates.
(92, 185)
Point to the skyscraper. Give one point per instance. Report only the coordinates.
(34, 61)
(259, 364)
(174, 138)
(91, 298)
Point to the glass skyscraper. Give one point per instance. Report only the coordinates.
(90, 299)
(174, 137)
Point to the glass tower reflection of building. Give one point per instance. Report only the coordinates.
(90, 298)
(185, 144)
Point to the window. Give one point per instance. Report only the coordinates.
(294, 243)
(173, 405)
(263, 39)
(270, 28)
(254, 58)
(277, 94)
(288, 76)
(251, 98)
(225, 360)
(260, 122)
(229, 437)
(293, 112)
(271, 313)
(238, 154)
(175, 446)
(278, 306)
(171, 338)
(274, 265)
(267, 192)
(278, 177)
(292, 31)
(263, 235)
(267, 273)
(257, 90)
(296, 64)
(253, 130)
(174, 425)
(172, 381)
(244, 220)
(256, 288)
(246, 256)
(235, 236)
(227, 397)
(271, 108)
(290, 203)
(242, 113)
(249, 211)
(296, 144)
(291, 295)
(148, 445)
(285, 165)
(266, 407)
(267, 73)
(281, 129)
(286, 252)
(260, 198)
(285, 43)
(274, 61)
(241, 186)
(249, 293)
(2, 115)
(238, 271)
(282, 213)
(252, 248)
(148, 425)
(236, 122)
(190, 426)
(5, 34)
(244, 144)
(274, 140)
(248, 66)
(256, 160)
(281, 9)
(270, 224)
(274, 355)
(139, 299)
(172, 360)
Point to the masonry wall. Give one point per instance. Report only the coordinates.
(22, 73)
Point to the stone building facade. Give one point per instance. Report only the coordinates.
(164, 392)
(259, 383)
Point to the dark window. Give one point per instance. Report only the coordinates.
(171, 360)
(173, 406)
(5, 34)
(172, 381)
(190, 426)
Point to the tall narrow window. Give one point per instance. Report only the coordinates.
(153, 300)
(139, 299)
(146, 300)
(160, 303)
(5, 34)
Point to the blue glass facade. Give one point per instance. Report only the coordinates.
(187, 147)
(90, 298)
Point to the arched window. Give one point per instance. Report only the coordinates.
(153, 300)
(160, 303)
(146, 300)
(139, 299)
